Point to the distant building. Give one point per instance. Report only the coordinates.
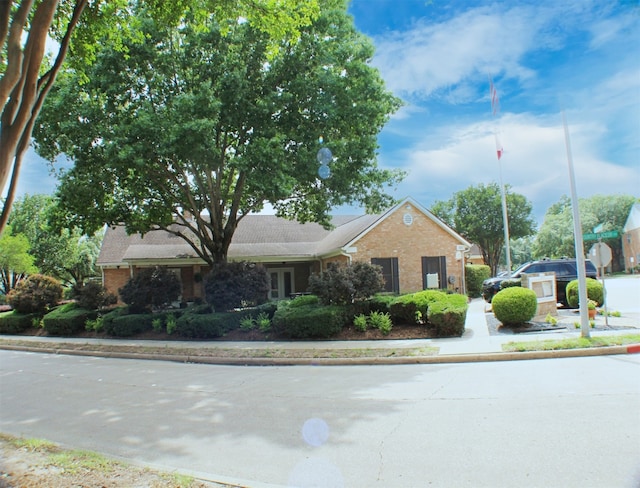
(631, 240)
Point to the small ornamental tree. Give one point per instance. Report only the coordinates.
(236, 284)
(36, 294)
(150, 287)
(341, 285)
(91, 295)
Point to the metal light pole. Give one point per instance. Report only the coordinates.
(577, 233)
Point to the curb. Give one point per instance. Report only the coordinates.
(445, 358)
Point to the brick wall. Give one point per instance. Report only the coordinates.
(409, 243)
(114, 279)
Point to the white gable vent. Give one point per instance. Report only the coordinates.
(407, 219)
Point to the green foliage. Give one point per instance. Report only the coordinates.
(150, 287)
(247, 323)
(13, 322)
(95, 325)
(550, 319)
(342, 285)
(309, 321)
(172, 323)
(477, 214)
(263, 322)
(207, 326)
(408, 309)
(236, 284)
(381, 321)
(475, 274)
(360, 322)
(15, 259)
(304, 300)
(508, 283)
(595, 292)
(35, 294)
(67, 320)
(122, 324)
(448, 314)
(515, 305)
(92, 295)
(240, 132)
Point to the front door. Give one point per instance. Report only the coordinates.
(281, 283)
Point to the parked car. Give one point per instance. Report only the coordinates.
(566, 270)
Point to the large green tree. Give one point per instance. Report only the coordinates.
(65, 254)
(27, 72)
(15, 260)
(194, 129)
(555, 238)
(476, 214)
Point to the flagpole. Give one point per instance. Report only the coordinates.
(495, 107)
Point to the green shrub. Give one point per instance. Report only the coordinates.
(595, 292)
(510, 282)
(381, 321)
(95, 325)
(67, 320)
(342, 285)
(248, 323)
(172, 323)
(303, 300)
(475, 274)
(207, 326)
(35, 294)
(236, 284)
(514, 305)
(360, 322)
(413, 307)
(150, 287)
(448, 315)
(310, 321)
(92, 295)
(13, 322)
(263, 321)
(120, 325)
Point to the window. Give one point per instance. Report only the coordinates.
(434, 265)
(389, 272)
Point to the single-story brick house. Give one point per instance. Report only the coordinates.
(631, 239)
(415, 249)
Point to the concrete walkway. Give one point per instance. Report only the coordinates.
(477, 344)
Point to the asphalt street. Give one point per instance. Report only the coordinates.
(552, 423)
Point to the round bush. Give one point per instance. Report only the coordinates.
(150, 287)
(595, 292)
(35, 294)
(236, 284)
(514, 305)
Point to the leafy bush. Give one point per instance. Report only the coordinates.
(67, 320)
(510, 282)
(207, 326)
(304, 300)
(475, 274)
(92, 295)
(341, 285)
(13, 322)
(411, 308)
(150, 287)
(360, 322)
(514, 305)
(129, 325)
(309, 321)
(35, 294)
(595, 292)
(236, 284)
(381, 321)
(448, 315)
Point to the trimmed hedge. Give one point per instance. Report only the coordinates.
(595, 292)
(309, 321)
(404, 308)
(13, 322)
(120, 323)
(448, 316)
(514, 305)
(207, 326)
(66, 320)
(474, 275)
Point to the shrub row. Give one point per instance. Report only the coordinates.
(13, 322)
(66, 320)
(448, 315)
(308, 321)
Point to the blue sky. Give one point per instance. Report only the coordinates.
(580, 56)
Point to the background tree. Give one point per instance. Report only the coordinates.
(15, 261)
(555, 238)
(66, 254)
(27, 73)
(476, 214)
(196, 129)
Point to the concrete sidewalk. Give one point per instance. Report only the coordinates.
(477, 343)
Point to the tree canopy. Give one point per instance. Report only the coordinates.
(27, 72)
(15, 260)
(203, 124)
(476, 214)
(555, 238)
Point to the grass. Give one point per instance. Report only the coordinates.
(572, 343)
(76, 460)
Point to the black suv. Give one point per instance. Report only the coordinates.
(565, 270)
